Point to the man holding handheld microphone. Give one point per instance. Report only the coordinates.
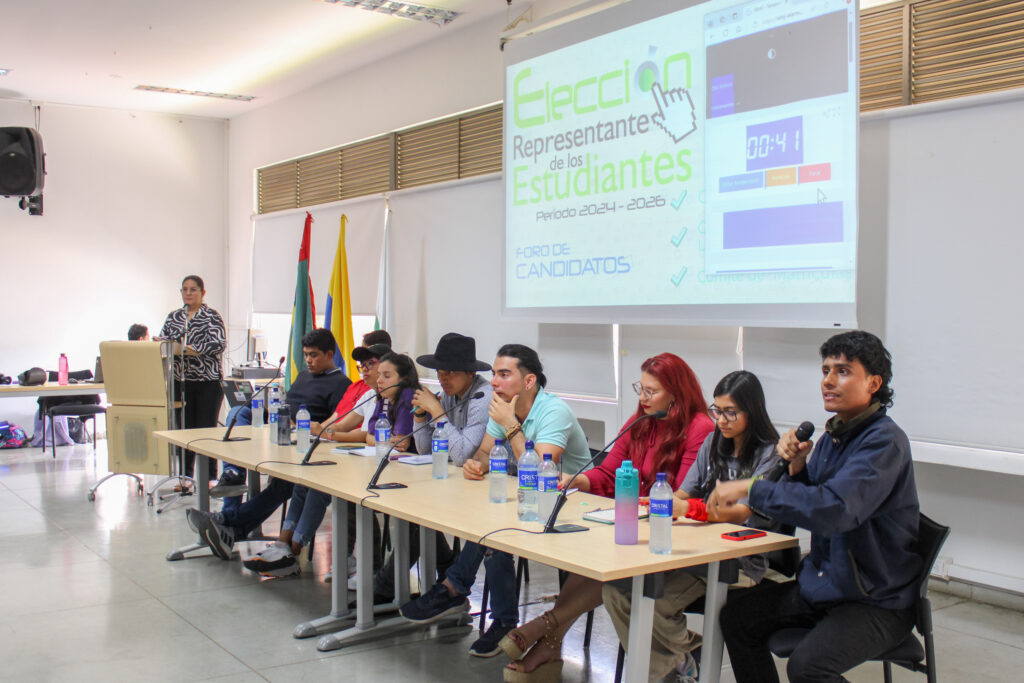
(856, 494)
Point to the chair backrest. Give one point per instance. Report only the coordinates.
(930, 537)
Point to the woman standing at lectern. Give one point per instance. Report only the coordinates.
(201, 329)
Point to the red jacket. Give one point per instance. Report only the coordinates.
(602, 477)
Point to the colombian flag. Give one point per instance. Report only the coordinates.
(303, 310)
(337, 317)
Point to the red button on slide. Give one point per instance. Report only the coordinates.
(815, 173)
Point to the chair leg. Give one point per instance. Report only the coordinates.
(620, 661)
(520, 569)
(589, 631)
(53, 438)
(483, 605)
(887, 672)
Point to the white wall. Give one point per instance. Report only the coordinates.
(133, 202)
(986, 546)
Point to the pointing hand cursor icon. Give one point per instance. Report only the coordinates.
(675, 112)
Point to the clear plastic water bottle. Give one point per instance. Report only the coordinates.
(627, 504)
(382, 433)
(499, 472)
(661, 516)
(257, 409)
(528, 470)
(547, 488)
(439, 450)
(302, 429)
(272, 408)
(62, 370)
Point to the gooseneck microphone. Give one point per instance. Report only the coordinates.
(387, 456)
(324, 426)
(549, 527)
(803, 433)
(234, 418)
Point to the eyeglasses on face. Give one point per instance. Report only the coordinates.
(730, 414)
(366, 365)
(646, 394)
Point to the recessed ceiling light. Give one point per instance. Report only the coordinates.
(197, 93)
(4, 72)
(403, 10)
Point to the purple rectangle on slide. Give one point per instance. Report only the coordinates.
(723, 95)
(743, 181)
(780, 226)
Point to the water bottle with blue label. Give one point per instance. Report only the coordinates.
(547, 487)
(528, 470)
(302, 429)
(382, 432)
(272, 407)
(661, 516)
(257, 409)
(439, 451)
(499, 472)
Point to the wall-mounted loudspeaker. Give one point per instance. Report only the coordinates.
(21, 162)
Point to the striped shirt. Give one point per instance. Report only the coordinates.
(205, 334)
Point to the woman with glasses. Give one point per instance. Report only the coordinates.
(668, 445)
(741, 446)
(198, 375)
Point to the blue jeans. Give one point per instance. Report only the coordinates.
(242, 416)
(501, 579)
(250, 514)
(305, 512)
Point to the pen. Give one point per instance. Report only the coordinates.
(414, 408)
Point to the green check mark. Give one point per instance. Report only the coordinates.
(676, 203)
(676, 279)
(679, 238)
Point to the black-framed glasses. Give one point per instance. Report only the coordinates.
(730, 415)
(366, 365)
(647, 394)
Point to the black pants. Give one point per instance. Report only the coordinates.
(842, 635)
(201, 409)
(384, 578)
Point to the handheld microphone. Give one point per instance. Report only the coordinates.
(324, 426)
(387, 456)
(803, 433)
(234, 418)
(549, 526)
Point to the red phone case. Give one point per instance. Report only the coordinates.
(753, 533)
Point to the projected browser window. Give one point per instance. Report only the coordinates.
(707, 156)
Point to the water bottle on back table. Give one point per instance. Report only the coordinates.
(547, 488)
(528, 470)
(439, 451)
(499, 472)
(661, 516)
(382, 432)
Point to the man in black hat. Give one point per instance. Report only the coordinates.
(457, 367)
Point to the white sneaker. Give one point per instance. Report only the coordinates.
(276, 559)
(686, 671)
(353, 584)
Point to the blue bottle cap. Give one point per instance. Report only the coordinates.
(547, 456)
(499, 442)
(302, 406)
(529, 445)
(662, 476)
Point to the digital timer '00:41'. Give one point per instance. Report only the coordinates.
(776, 143)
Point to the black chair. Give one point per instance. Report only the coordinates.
(909, 654)
(82, 412)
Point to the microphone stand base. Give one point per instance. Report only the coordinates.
(237, 438)
(318, 463)
(567, 529)
(390, 485)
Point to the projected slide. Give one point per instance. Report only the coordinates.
(706, 156)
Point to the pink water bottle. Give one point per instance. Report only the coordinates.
(627, 502)
(62, 370)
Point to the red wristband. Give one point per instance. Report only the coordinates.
(697, 510)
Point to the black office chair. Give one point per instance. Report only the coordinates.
(82, 412)
(909, 654)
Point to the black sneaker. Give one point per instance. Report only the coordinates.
(195, 516)
(220, 538)
(487, 644)
(433, 605)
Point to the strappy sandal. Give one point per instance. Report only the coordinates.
(510, 644)
(548, 672)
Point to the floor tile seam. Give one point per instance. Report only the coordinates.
(976, 635)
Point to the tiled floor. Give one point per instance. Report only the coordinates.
(88, 596)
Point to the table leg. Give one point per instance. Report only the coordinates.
(340, 612)
(641, 621)
(400, 544)
(428, 558)
(711, 650)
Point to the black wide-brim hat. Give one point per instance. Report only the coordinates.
(365, 353)
(455, 353)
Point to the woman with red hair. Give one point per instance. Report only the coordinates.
(668, 445)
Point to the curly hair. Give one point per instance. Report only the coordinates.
(865, 347)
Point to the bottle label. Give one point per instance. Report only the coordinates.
(528, 480)
(547, 484)
(438, 445)
(302, 424)
(273, 417)
(499, 465)
(382, 435)
(661, 507)
(257, 404)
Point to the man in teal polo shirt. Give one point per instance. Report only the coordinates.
(520, 411)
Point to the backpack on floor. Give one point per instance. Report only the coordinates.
(12, 436)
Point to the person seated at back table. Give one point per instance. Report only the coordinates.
(138, 332)
(857, 589)
(457, 367)
(319, 387)
(520, 411)
(742, 445)
(670, 445)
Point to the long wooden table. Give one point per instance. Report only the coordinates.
(51, 389)
(461, 507)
